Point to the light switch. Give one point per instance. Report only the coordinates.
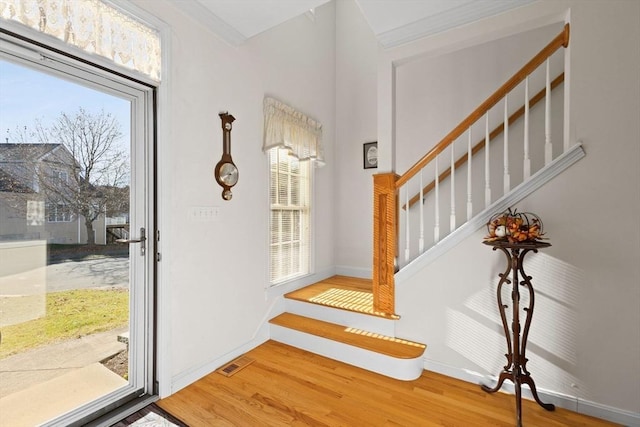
(204, 213)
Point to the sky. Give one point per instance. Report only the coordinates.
(27, 94)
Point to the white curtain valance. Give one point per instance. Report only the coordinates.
(94, 27)
(285, 127)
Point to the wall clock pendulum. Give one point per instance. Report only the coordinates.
(226, 172)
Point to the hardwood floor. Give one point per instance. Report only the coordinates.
(286, 386)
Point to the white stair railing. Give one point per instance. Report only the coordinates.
(531, 149)
(392, 193)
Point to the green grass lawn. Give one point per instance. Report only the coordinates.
(69, 314)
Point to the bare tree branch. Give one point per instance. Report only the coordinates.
(90, 176)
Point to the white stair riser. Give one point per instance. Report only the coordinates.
(378, 325)
(401, 369)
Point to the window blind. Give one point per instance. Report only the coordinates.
(289, 216)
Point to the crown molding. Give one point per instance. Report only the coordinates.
(212, 22)
(451, 18)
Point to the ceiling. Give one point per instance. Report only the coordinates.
(394, 22)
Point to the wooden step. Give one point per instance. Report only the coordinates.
(389, 346)
(341, 292)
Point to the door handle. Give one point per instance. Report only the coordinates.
(142, 240)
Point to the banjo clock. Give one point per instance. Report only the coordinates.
(226, 172)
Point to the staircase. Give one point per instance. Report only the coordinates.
(335, 318)
(353, 320)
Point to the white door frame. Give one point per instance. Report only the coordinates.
(142, 380)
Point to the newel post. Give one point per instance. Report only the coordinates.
(385, 214)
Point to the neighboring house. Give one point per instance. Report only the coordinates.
(34, 179)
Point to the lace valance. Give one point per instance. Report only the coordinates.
(285, 127)
(94, 27)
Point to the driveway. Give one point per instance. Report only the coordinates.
(95, 272)
(22, 295)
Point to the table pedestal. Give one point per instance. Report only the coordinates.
(516, 367)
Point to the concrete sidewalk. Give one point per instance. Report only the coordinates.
(48, 381)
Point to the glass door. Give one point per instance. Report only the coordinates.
(76, 253)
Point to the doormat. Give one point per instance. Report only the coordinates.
(151, 416)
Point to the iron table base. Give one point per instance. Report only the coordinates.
(516, 367)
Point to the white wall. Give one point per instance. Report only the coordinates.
(585, 330)
(214, 274)
(434, 94)
(356, 123)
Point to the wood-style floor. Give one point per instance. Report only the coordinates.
(285, 386)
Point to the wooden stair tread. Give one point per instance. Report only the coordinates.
(343, 292)
(394, 347)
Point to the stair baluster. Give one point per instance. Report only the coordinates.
(452, 220)
(527, 158)
(407, 250)
(487, 163)
(436, 227)
(548, 148)
(421, 241)
(469, 180)
(507, 178)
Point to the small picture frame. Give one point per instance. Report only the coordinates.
(370, 155)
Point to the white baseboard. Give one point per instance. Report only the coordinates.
(626, 418)
(192, 375)
(593, 409)
(361, 273)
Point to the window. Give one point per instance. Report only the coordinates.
(58, 212)
(293, 142)
(59, 178)
(289, 190)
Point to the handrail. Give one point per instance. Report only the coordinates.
(561, 40)
(494, 133)
(386, 185)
